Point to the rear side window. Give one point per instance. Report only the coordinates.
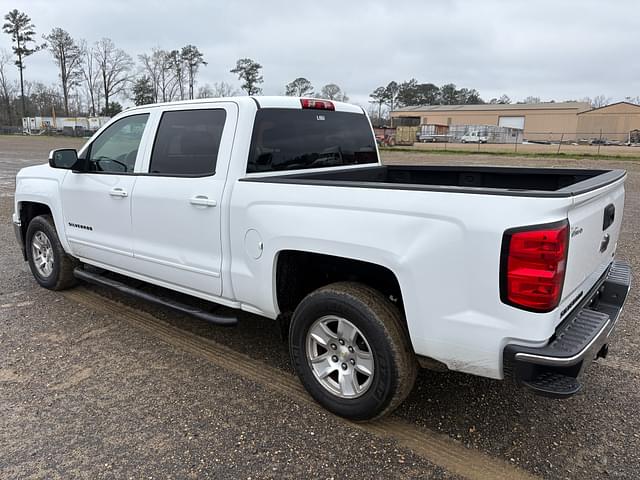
(288, 139)
(187, 143)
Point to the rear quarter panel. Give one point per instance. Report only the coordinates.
(444, 249)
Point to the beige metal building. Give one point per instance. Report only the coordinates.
(539, 121)
(613, 122)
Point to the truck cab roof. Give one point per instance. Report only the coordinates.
(254, 101)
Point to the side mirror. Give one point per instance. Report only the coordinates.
(63, 158)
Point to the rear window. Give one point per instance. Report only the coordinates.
(287, 139)
(187, 143)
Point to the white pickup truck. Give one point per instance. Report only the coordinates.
(281, 207)
(474, 137)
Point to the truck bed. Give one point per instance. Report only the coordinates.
(513, 181)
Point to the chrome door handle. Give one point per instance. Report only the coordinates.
(202, 201)
(118, 192)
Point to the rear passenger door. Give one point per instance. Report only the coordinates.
(176, 207)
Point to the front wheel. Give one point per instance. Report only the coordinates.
(351, 351)
(50, 265)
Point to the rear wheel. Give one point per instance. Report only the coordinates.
(351, 351)
(50, 265)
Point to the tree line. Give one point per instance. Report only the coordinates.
(93, 76)
(411, 93)
(394, 95)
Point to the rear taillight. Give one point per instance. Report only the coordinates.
(532, 266)
(317, 104)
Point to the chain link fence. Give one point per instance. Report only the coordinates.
(492, 139)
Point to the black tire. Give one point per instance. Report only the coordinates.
(381, 323)
(61, 276)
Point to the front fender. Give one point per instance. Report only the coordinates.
(41, 184)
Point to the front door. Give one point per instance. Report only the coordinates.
(96, 202)
(176, 208)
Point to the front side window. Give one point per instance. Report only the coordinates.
(291, 139)
(187, 143)
(116, 149)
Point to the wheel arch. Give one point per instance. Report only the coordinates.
(29, 209)
(299, 272)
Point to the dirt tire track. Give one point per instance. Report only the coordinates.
(436, 448)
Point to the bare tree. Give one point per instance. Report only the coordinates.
(600, 101)
(5, 87)
(205, 91)
(159, 69)
(378, 98)
(165, 71)
(115, 67)
(152, 66)
(218, 90)
(170, 86)
(68, 55)
(170, 72)
(223, 89)
(177, 64)
(373, 110)
(42, 99)
(531, 99)
(91, 74)
(77, 102)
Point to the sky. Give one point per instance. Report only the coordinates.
(558, 50)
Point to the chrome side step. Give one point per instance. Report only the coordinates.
(97, 279)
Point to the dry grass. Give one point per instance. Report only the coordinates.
(530, 149)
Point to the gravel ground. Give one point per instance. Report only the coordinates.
(85, 395)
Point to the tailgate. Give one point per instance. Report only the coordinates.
(594, 220)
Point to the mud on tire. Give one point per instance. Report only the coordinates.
(380, 324)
